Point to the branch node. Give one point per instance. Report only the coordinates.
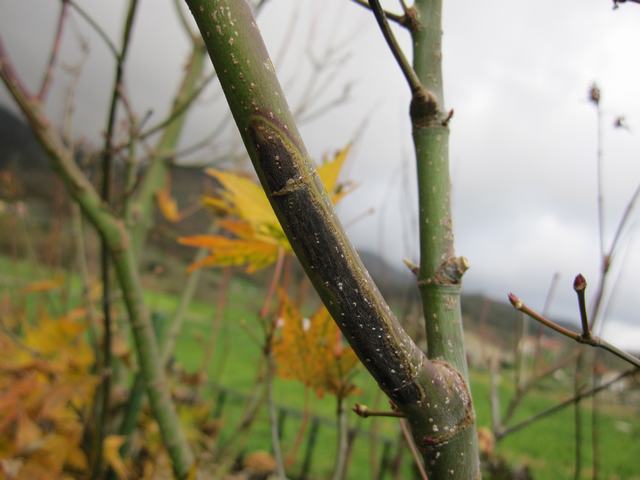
(449, 272)
(423, 108)
(411, 19)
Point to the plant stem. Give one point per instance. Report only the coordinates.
(441, 271)
(105, 193)
(139, 212)
(273, 418)
(118, 241)
(341, 447)
(566, 403)
(420, 388)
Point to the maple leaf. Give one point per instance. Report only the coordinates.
(167, 204)
(45, 384)
(313, 351)
(252, 233)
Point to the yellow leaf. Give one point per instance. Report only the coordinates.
(252, 221)
(167, 205)
(111, 452)
(329, 172)
(247, 198)
(253, 253)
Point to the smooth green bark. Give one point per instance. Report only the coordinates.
(441, 271)
(432, 394)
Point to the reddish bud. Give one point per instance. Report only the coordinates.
(515, 301)
(580, 283)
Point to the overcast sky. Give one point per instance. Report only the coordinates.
(523, 142)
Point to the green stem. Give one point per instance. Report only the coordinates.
(342, 446)
(104, 396)
(140, 213)
(440, 270)
(432, 394)
(118, 242)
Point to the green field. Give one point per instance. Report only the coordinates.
(547, 446)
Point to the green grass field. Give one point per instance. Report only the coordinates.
(547, 446)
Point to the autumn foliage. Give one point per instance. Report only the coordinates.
(251, 234)
(46, 387)
(313, 351)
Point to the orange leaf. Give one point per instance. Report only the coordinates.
(259, 233)
(255, 254)
(167, 204)
(312, 351)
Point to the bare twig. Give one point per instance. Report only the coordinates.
(342, 446)
(407, 70)
(394, 17)
(565, 403)
(580, 285)
(412, 448)
(515, 401)
(590, 339)
(169, 119)
(537, 357)
(96, 26)
(364, 412)
(105, 193)
(55, 49)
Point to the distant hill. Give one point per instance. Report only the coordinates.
(24, 163)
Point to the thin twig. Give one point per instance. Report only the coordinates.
(564, 404)
(515, 401)
(537, 357)
(590, 339)
(170, 118)
(394, 17)
(96, 26)
(412, 448)
(341, 448)
(55, 50)
(364, 412)
(107, 168)
(407, 70)
(580, 285)
(182, 17)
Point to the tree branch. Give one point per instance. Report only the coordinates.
(422, 389)
(394, 17)
(118, 242)
(96, 26)
(407, 70)
(55, 49)
(588, 339)
(564, 404)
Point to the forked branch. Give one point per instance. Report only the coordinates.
(586, 338)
